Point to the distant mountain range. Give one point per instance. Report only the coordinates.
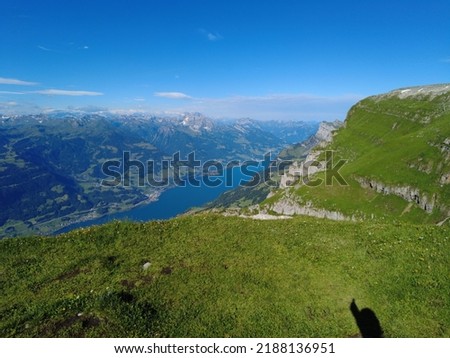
(51, 164)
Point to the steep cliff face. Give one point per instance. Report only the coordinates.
(408, 193)
(312, 149)
(288, 206)
(326, 129)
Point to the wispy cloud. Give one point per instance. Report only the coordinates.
(445, 60)
(172, 95)
(58, 92)
(211, 36)
(43, 48)
(12, 107)
(12, 92)
(9, 104)
(16, 82)
(64, 48)
(8, 107)
(214, 36)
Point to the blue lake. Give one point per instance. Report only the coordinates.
(171, 203)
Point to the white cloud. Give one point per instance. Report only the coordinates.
(58, 92)
(13, 81)
(43, 48)
(214, 36)
(211, 36)
(11, 92)
(65, 48)
(172, 95)
(10, 107)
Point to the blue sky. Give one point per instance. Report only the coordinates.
(308, 60)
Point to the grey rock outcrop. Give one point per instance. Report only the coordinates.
(432, 91)
(290, 207)
(410, 194)
(310, 166)
(325, 132)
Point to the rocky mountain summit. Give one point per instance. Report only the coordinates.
(431, 91)
(197, 122)
(325, 132)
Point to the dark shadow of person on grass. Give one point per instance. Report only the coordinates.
(367, 321)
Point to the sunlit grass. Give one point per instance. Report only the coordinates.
(225, 276)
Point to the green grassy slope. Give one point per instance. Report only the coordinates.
(400, 142)
(215, 276)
